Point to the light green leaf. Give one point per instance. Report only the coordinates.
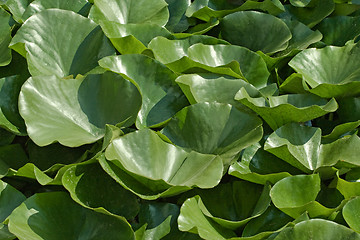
(207, 9)
(160, 166)
(130, 11)
(132, 38)
(161, 97)
(319, 229)
(273, 36)
(77, 114)
(31, 220)
(91, 187)
(39, 5)
(300, 3)
(331, 71)
(295, 195)
(214, 128)
(17, 8)
(350, 213)
(45, 49)
(214, 88)
(280, 110)
(301, 147)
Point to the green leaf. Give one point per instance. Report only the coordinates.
(132, 38)
(331, 71)
(177, 19)
(214, 128)
(6, 137)
(44, 48)
(91, 187)
(77, 114)
(68, 220)
(10, 118)
(301, 147)
(225, 204)
(300, 3)
(17, 8)
(160, 166)
(161, 97)
(350, 213)
(259, 166)
(131, 11)
(311, 15)
(214, 88)
(348, 189)
(296, 194)
(5, 38)
(39, 5)
(318, 229)
(193, 220)
(11, 156)
(207, 9)
(273, 36)
(280, 110)
(338, 30)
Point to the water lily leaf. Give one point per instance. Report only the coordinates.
(11, 156)
(302, 37)
(273, 37)
(300, 3)
(214, 128)
(193, 220)
(339, 131)
(207, 9)
(6, 137)
(259, 166)
(73, 114)
(348, 188)
(69, 220)
(5, 38)
(349, 109)
(10, 199)
(39, 5)
(338, 30)
(226, 205)
(331, 71)
(44, 48)
(294, 84)
(213, 88)
(318, 229)
(91, 187)
(349, 212)
(252, 66)
(161, 97)
(301, 147)
(131, 11)
(132, 38)
(311, 15)
(295, 195)
(16, 7)
(141, 153)
(280, 110)
(177, 20)
(10, 118)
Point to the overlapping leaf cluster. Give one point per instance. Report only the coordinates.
(179, 119)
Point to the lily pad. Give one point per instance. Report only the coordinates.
(5, 38)
(273, 36)
(131, 11)
(69, 220)
(214, 128)
(301, 147)
(350, 213)
(44, 48)
(318, 229)
(140, 153)
(91, 187)
(280, 110)
(39, 5)
(72, 115)
(295, 195)
(330, 71)
(177, 19)
(161, 96)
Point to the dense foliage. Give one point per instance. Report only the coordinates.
(179, 119)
